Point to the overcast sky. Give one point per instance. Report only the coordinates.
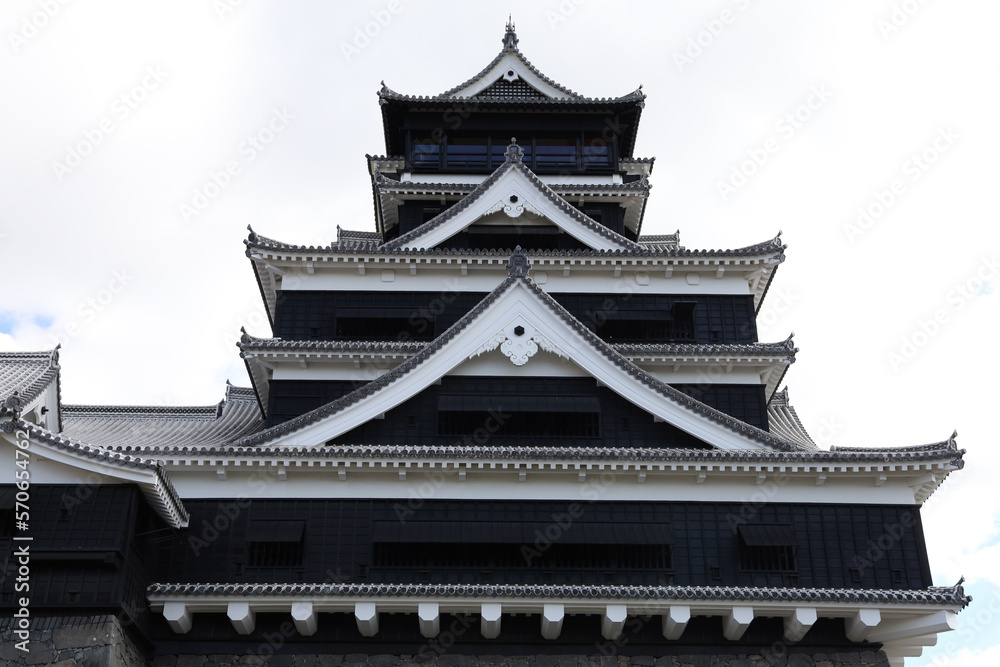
(763, 116)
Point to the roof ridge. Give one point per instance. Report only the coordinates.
(123, 410)
(510, 42)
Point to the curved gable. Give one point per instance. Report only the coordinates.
(519, 320)
(514, 191)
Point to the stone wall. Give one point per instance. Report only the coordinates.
(864, 659)
(89, 641)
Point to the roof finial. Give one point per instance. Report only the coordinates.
(518, 265)
(514, 153)
(510, 37)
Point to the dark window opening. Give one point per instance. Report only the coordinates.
(521, 424)
(274, 544)
(466, 153)
(638, 326)
(529, 237)
(550, 152)
(594, 557)
(426, 153)
(519, 416)
(556, 153)
(491, 545)
(383, 328)
(596, 153)
(767, 548)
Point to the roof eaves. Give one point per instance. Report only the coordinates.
(943, 596)
(163, 488)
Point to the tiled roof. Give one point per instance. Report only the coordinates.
(784, 348)
(253, 344)
(355, 244)
(802, 456)
(779, 349)
(949, 443)
(159, 490)
(150, 426)
(782, 420)
(932, 596)
(624, 364)
(662, 243)
(510, 48)
(636, 96)
(27, 373)
(353, 235)
(512, 163)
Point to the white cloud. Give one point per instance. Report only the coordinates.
(963, 658)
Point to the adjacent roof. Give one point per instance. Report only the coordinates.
(28, 373)
(784, 421)
(134, 467)
(234, 417)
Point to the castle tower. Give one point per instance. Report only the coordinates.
(503, 423)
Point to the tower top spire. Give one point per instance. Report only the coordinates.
(510, 37)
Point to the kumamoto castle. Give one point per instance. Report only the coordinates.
(501, 426)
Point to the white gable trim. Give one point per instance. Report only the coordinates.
(510, 68)
(517, 306)
(45, 461)
(530, 195)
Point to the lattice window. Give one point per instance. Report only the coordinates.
(275, 544)
(767, 548)
(516, 89)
